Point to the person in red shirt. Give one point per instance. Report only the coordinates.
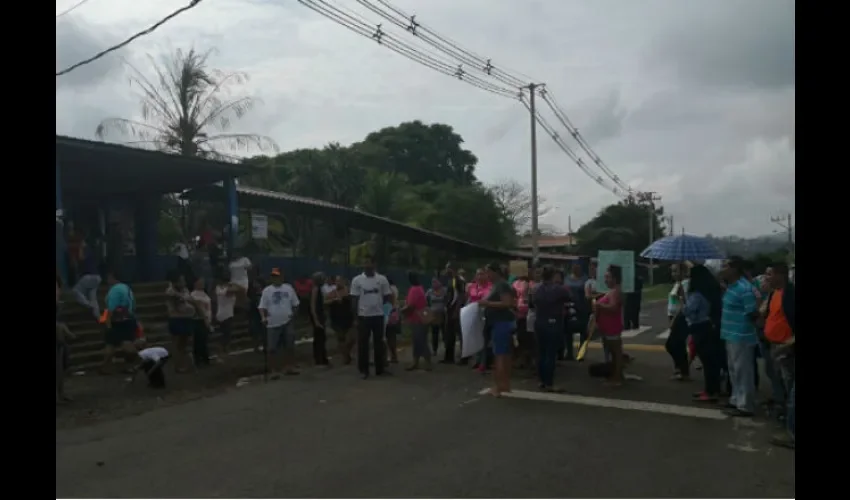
(416, 314)
(303, 288)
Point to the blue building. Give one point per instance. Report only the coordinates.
(110, 196)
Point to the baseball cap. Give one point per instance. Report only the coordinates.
(275, 271)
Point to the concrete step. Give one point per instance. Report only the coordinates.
(79, 314)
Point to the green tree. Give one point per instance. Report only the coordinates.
(623, 226)
(422, 153)
(414, 174)
(185, 109)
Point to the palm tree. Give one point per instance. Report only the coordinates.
(185, 109)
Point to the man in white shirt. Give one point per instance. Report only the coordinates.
(278, 304)
(152, 360)
(369, 292)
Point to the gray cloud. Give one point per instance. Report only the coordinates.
(75, 41)
(695, 101)
(741, 43)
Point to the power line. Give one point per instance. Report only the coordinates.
(412, 26)
(417, 29)
(559, 141)
(352, 22)
(549, 99)
(363, 27)
(151, 29)
(454, 50)
(71, 8)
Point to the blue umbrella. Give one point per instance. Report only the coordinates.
(681, 248)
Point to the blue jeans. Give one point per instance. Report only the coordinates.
(550, 333)
(742, 375)
(792, 406)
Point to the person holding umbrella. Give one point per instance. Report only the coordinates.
(680, 249)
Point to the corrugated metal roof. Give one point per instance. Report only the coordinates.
(353, 217)
(550, 241)
(100, 168)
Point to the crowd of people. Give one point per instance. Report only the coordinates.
(726, 322)
(734, 319)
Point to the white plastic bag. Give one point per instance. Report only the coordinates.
(471, 330)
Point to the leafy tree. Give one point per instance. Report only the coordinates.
(413, 173)
(422, 153)
(185, 109)
(623, 226)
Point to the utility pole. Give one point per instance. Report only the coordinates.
(785, 223)
(651, 197)
(671, 229)
(535, 233)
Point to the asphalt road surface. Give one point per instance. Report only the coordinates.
(328, 434)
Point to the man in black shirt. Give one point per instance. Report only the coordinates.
(549, 303)
(455, 300)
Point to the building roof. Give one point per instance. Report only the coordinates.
(553, 257)
(251, 198)
(549, 241)
(92, 168)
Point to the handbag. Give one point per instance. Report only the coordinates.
(426, 316)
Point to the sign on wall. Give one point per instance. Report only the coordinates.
(259, 226)
(518, 268)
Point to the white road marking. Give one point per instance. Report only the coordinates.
(620, 404)
(634, 333)
(664, 334)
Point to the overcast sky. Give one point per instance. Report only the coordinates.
(693, 99)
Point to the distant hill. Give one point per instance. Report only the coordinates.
(748, 247)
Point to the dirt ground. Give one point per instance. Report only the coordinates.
(99, 397)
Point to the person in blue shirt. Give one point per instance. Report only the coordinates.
(738, 330)
(120, 321)
(702, 310)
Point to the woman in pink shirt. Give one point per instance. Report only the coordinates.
(415, 313)
(525, 347)
(608, 311)
(478, 289)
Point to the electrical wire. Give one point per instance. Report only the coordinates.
(128, 41)
(559, 141)
(454, 50)
(359, 25)
(550, 101)
(350, 19)
(71, 8)
(410, 25)
(418, 29)
(363, 28)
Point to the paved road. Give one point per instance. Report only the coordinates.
(329, 434)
